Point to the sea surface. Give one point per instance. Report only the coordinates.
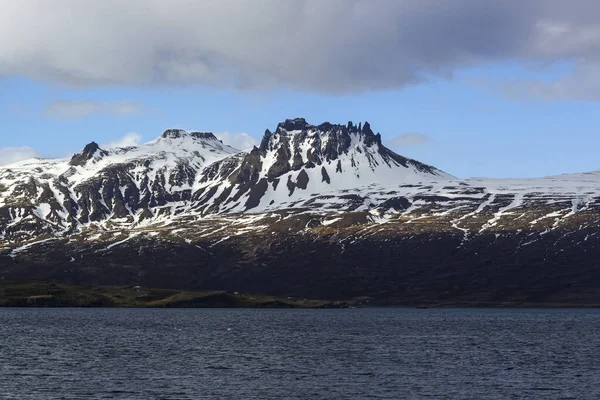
(371, 353)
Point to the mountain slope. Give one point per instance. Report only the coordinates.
(315, 211)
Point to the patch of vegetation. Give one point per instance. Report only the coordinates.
(50, 294)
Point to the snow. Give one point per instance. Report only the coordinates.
(20, 249)
(224, 238)
(366, 173)
(331, 221)
(43, 210)
(128, 238)
(146, 163)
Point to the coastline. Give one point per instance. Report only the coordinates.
(43, 294)
(38, 294)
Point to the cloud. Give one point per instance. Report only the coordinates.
(80, 109)
(581, 83)
(409, 139)
(129, 139)
(9, 155)
(333, 46)
(240, 141)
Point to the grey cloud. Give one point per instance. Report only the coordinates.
(581, 84)
(408, 139)
(80, 109)
(333, 46)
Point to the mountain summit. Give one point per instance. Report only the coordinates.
(89, 151)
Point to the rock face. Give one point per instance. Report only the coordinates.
(322, 211)
(306, 159)
(90, 151)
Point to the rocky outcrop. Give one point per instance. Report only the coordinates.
(89, 151)
(352, 152)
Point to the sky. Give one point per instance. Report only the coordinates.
(474, 87)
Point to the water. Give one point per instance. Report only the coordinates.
(299, 354)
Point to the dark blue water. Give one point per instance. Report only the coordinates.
(299, 354)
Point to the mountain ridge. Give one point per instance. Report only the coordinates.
(194, 168)
(321, 211)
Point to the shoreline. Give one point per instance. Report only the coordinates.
(43, 294)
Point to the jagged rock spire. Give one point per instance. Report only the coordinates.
(296, 124)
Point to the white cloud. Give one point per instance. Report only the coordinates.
(9, 155)
(79, 109)
(129, 139)
(408, 139)
(325, 46)
(240, 141)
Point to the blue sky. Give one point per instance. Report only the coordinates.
(512, 115)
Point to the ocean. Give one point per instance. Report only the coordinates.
(368, 353)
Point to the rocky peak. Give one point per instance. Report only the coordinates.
(174, 134)
(203, 135)
(264, 143)
(91, 148)
(327, 139)
(180, 134)
(366, 129)
(298, 144)
(325, 127)
(369, 136)
(89, 151)
(296, 124)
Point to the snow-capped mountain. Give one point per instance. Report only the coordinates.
(322, 211)
(96, 185)
(300, 159)
(194, 174)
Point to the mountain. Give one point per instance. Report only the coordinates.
(123, 185)
(322, 211)
(300, 159)
(192, 174)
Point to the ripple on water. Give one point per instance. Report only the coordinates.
(318, 354)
